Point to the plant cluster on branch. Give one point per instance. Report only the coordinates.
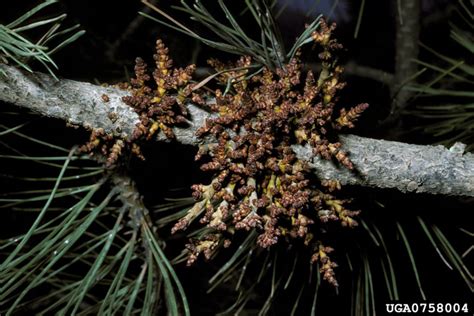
(258, 182)
(160, 106)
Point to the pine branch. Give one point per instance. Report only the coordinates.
(380, 163)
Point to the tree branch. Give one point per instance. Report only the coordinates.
(127, 32)
(379, 163)
(406, 43)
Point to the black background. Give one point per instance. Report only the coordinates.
(171, 166)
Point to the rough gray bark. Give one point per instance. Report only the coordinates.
(409, 168)
(379, 163)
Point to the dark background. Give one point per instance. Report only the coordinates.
(106, 55)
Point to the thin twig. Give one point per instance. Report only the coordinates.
(128, 32)
(351, 68)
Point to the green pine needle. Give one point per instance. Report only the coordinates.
(268, 51)
(412, 259)
(14, 45)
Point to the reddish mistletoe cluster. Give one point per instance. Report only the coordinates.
(160, 104)
(259, 183)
